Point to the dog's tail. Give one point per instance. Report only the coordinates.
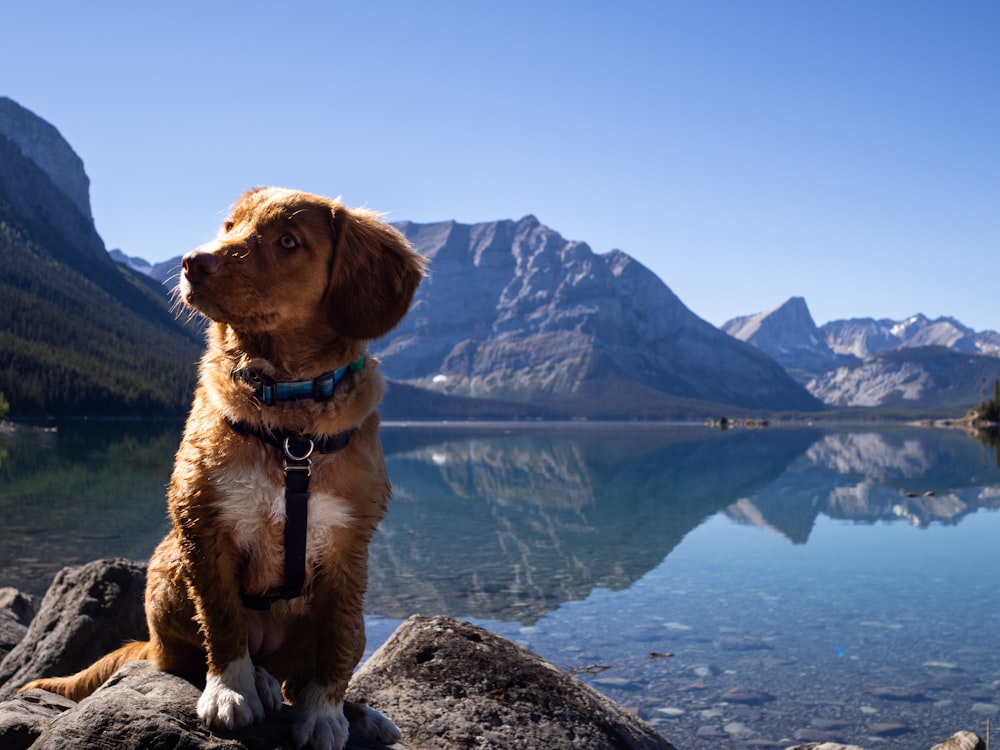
(78, 686)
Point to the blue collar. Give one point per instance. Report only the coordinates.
(269, 391)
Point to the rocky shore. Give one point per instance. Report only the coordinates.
(446, 684)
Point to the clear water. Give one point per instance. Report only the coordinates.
(809, 585)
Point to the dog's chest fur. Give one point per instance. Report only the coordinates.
(252, 505)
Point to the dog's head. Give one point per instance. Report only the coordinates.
(284, 260)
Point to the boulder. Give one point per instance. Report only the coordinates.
(140, 707)
(962, 741)
(959, 741)
(25, 717)
(16, 611)
(87, 612)
(449, 684)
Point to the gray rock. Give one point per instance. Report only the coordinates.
(986, 709)
(138, 707)
(16, 611)
(888, 729)
(25, 717)
(449, 684)
(17, 605)
(87, 612)
(747, 697)
(962, 741)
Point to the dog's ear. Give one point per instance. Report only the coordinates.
(374, 276)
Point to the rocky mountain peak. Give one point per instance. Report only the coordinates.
(43, 144)
(791, 316)
(789, 335)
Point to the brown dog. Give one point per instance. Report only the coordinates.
(283, 428)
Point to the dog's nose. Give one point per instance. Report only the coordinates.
(199, 263)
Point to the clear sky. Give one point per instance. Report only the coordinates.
(845, 151)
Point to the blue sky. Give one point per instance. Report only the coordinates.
(847, 152)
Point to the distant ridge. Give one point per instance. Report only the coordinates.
(913, 365)
(866, 337)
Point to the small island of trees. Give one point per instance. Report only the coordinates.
(989, 411)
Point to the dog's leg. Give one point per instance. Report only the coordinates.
(269, 690)
(211, 563)
(319, 719)
(230, 698)
(368, 722)
(318, 685)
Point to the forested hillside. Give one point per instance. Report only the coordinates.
(80, 337)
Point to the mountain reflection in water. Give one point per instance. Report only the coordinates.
(509, 527)
(509, 523)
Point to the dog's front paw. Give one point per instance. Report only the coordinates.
(269, 690)
(370, 723)
(319, 723)
(230, 699)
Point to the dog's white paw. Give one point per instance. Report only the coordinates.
(374, 725)
(230, 699)
(269, 690)
(319, 723)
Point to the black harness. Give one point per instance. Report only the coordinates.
(297, 451)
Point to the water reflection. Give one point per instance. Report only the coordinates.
(86, 492)
(509, 527)
(919, 476)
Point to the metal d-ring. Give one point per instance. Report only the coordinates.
(291, 456)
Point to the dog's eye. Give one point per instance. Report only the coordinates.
(288, 242)
(228, 225)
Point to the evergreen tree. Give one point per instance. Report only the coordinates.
(990, 410)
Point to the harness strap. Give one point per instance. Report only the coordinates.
(297, 450)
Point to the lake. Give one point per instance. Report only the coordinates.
(747, 588)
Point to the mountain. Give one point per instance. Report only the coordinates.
(40, 142)
(79, 334)
(866, 337)
(911, 365)
(513, 311)
(166, 272)
(788, 334)
(918, 379)
(135, 263)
